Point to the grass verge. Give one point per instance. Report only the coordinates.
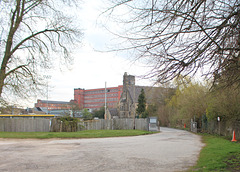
(219, 154)
(79, 134)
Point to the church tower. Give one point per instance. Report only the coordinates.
(128, 80)
(127, 100)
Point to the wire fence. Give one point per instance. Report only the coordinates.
(223, 128)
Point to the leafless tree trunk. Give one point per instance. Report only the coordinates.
(32, 33)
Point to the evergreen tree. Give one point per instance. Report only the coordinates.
(141, 104)
(99, 113)
(86, 115)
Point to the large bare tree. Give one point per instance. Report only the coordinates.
(33, 34)
(182, 36)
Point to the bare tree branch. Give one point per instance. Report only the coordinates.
(182, 37)
(34, 32)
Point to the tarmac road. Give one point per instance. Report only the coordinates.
(170, 150)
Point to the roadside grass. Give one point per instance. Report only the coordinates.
(219, 154)
(79, 134)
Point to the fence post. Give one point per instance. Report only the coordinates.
(61, 126)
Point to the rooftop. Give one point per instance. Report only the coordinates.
(54, 102)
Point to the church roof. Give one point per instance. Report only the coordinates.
(150, 92)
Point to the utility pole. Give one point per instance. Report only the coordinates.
(134, 103)
(47, 96)
(105, 114)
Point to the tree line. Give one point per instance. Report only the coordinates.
(191, 100)
(176, 38)
(179, 39)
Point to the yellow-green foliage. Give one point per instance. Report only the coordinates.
(193, 100)
(188, 102)
(224, 102)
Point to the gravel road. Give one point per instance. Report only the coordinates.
(170, 150)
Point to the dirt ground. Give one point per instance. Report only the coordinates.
(170, 150)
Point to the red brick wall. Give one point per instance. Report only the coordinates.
(79, 96)
(95, 98)
(52, 105)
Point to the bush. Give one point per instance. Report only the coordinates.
(86, 115)
(69, 124)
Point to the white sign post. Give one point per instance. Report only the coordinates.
(219, 127)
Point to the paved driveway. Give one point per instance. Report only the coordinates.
(170, 150)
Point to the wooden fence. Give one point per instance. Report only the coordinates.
(25, 125)
(114, 124)
(46, 125)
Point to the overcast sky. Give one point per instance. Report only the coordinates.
(91, 68)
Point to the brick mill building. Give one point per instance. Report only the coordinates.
(95, 98)
(53, 107)
(118, 98)
(122, 100)
(53, 104)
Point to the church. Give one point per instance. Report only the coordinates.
(121, 100)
